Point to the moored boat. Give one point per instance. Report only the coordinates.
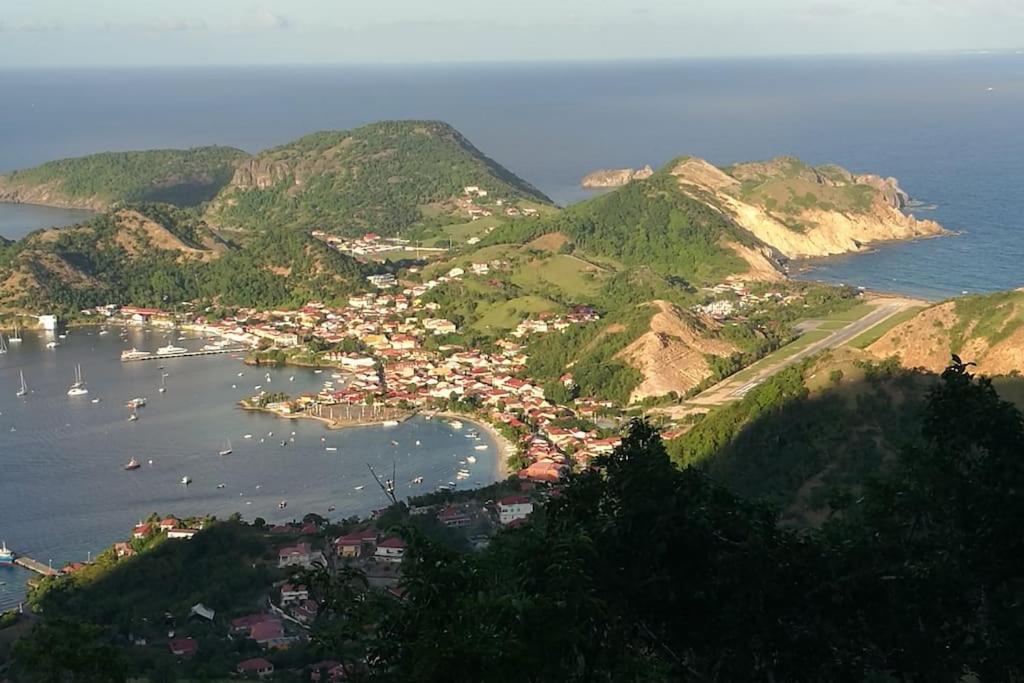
(132, 464)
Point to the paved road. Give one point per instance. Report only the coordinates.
(731, 388)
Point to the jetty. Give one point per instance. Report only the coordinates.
(35, 566)
(183, 354)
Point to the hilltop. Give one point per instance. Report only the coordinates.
(98, 181)
(385, 177)
(796, 209)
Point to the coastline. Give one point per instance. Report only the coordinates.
(328, 423)
(505, 448)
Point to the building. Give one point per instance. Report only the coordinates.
(258, 667)
(390, 550)
(453, 517)
(168, 524)
(141, 530)
(183, 647)
(356, 544)
(293, 593)
(182, 533)
(268, 633)
(512, 508)
(300, 555)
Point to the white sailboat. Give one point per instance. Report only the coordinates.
(16, 337)
(3, 344)
(227, 448)
(24, 387)
(78, 388)
(163, 383)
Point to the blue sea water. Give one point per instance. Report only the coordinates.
(931, 121)
(949, 127)
(64, 492)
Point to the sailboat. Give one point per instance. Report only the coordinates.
(78, 388)
(3, 344)
(163, 383)
(24, 387)
(227, 448)
(132, 464)
(16, 337)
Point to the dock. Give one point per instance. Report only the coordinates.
(185, 354)
(35, 566)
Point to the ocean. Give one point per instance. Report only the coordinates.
(948, 126)
(65, 494)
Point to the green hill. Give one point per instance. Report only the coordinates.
(158, 255)
(384, 177)
(178, 176)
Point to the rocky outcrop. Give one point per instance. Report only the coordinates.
(47, 195)
(610, 178)
(672, 354)
(802, 211)
(260, 173)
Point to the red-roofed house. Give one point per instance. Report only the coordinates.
(300, 555)
(123, 550)
(243, 624)
(268, 633)
(293, 593)
(141, 530)
(255, 667)
(183, 647)
(390, 550)
(355, 544)
(453, 517)
(168, 524)
(512, 508)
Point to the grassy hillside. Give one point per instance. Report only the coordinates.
(384, 177)
(178, 176)
(157, 255)
(987, 329)
(650, 223)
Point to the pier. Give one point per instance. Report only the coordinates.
(35, 566)
(185, 354)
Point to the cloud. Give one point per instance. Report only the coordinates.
(31, 26)
(829, 9)
(264, 18)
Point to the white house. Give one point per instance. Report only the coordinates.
(390, 550)
(512, 508)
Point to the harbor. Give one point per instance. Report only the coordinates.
(129, 357)
(34, 565)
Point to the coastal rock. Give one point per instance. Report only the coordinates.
(609, 178)
(260, 173)
(802, 211)
(46, 195)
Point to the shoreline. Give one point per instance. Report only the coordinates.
(505, 448)
(333, 425)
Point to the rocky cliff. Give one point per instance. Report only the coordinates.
(610, 178)
(672, 354)
(803, 211)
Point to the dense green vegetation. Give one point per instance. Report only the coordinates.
(646, 223)
(103, 261)
(177, 176)
(379, 177)
(645, 572)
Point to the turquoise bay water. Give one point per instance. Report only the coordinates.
(65, 494)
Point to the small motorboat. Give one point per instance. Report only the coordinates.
(360, 487)
(186, 480)
(220, 486)
(418, 480)
(133, 417)
(95, 400)
(282, 505)
(331, 508)
(132, 464)
(471, 459)
(481, 447)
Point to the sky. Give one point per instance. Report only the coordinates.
(61, 33)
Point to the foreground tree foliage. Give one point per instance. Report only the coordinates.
(641, 571)
(646, 572)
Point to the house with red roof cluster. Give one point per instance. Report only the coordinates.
(256, 667)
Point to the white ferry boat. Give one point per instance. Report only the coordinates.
(170, 349)
(134, 354)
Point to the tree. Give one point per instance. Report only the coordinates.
(61, 650)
